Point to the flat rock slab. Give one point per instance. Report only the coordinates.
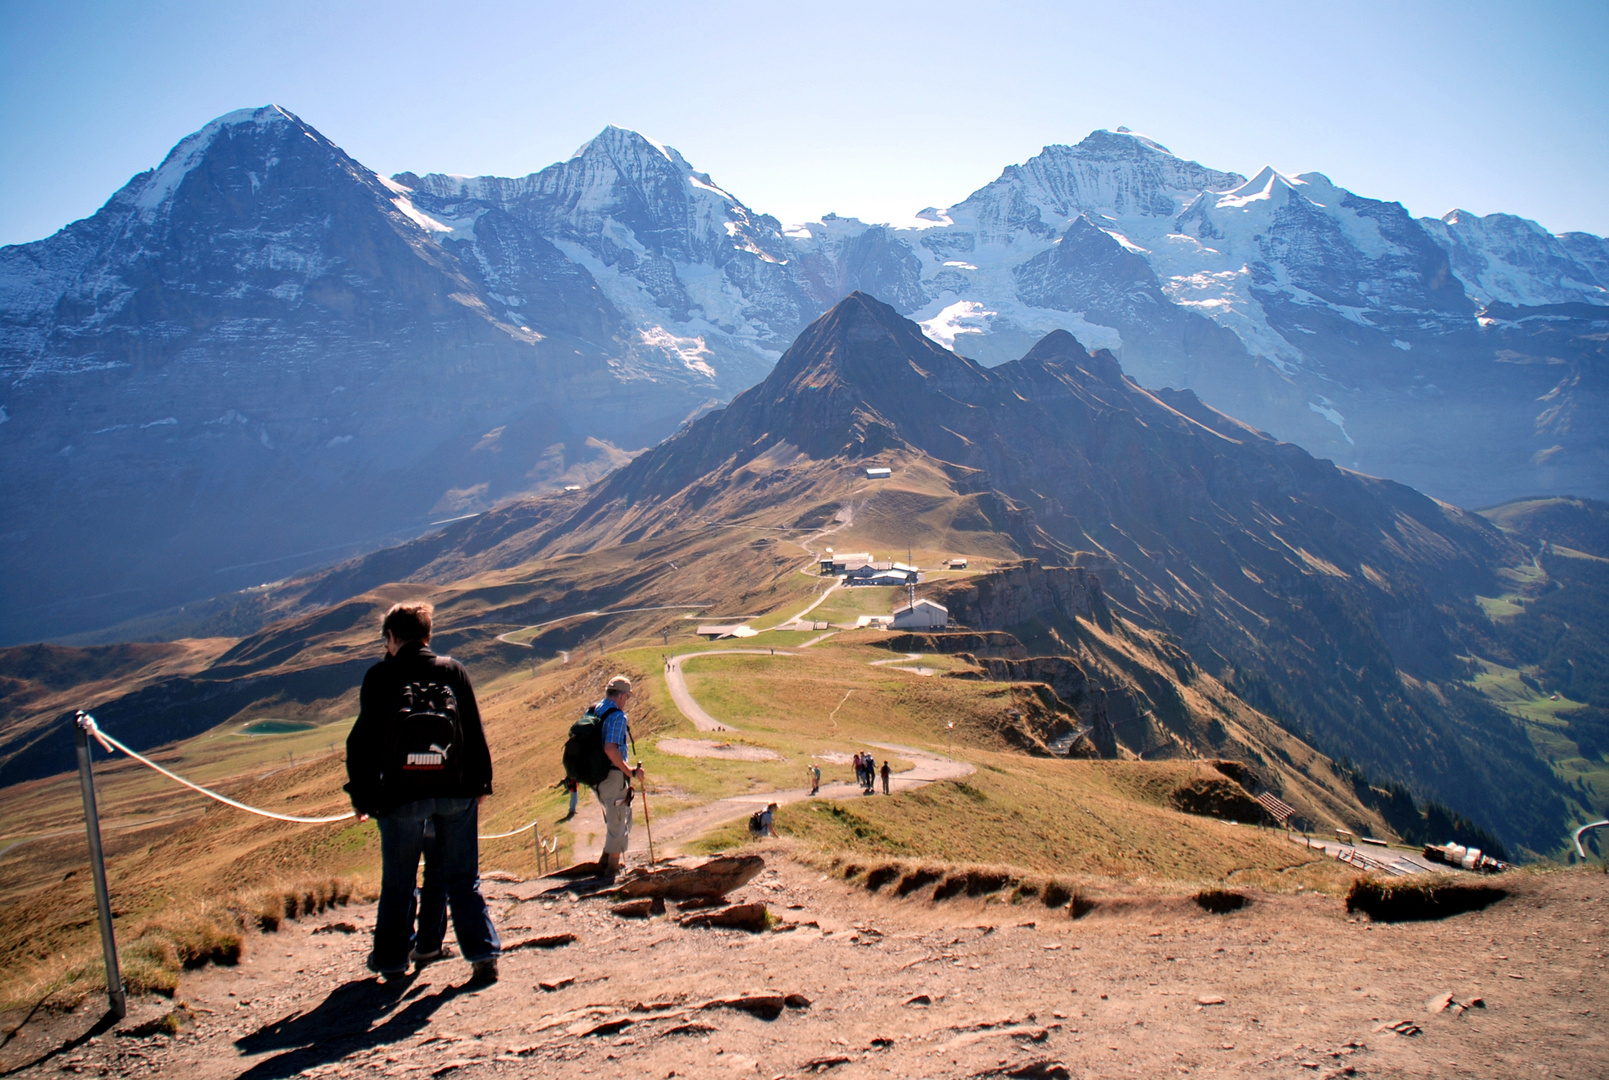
(750, 917)
(548, 941)
(640, 909)
(714, 878)
(767, 1005)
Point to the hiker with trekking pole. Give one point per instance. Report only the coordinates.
(595, 755)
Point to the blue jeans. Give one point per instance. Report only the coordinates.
(444, 831)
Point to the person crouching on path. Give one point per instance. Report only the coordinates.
(417, 762)
(615, 790)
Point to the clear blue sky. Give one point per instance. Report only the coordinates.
(864, 108)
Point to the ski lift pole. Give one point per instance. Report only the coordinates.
(115, 993)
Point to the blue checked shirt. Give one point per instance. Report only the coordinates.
(614, 726)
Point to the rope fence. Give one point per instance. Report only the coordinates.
(110, 743)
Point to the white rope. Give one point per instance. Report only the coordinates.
(516, 832)
(108, 742)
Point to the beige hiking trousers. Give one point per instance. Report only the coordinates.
(616, 812)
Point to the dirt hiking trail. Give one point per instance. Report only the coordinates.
(587, 825)
(1143, 986)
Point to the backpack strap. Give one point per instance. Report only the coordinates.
(611, 707)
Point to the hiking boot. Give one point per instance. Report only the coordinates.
(389, 974)
(421, 957)
(483, 972)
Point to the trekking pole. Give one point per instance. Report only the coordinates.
(646, 820)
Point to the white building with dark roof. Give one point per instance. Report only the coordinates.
(847, 562)
(922, 615)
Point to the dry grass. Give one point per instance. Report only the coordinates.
(268, 908)
(1219, 901)
(1097, 819)
(157, 951)
(941, 882)
(1419, 898)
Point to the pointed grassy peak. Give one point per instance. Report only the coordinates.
(866, 344)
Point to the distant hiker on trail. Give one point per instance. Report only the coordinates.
(815, 778)
(860, 768)
(614, 789)
(417, 762)
(869, 781)
(886, 772)
(768, 821)
(573, 786)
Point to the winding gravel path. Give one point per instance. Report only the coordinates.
(587, 825)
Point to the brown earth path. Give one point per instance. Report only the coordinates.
(587, 825)
(676, 683)
(1147, 986)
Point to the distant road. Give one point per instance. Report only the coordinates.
(1401, 862)
(504, 638)
(795, 622)
(677, 686)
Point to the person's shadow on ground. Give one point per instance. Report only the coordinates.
(343, 1023)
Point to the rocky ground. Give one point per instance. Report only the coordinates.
(860, 985)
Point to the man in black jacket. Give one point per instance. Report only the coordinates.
(417, 762)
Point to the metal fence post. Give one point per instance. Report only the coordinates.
(97, 864)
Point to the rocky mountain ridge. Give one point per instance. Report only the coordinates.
(261, 355)
(1341, 605)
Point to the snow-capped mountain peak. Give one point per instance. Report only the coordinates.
(614, 140)
(161, 183)
(1137, 137)
(1502, 258)
(1117, 175)
(275, 278)
(1268, 185)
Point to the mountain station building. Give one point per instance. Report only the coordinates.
(922, 615)
(883, 573)
(846, 563)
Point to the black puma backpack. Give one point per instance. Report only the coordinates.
(427, 745)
